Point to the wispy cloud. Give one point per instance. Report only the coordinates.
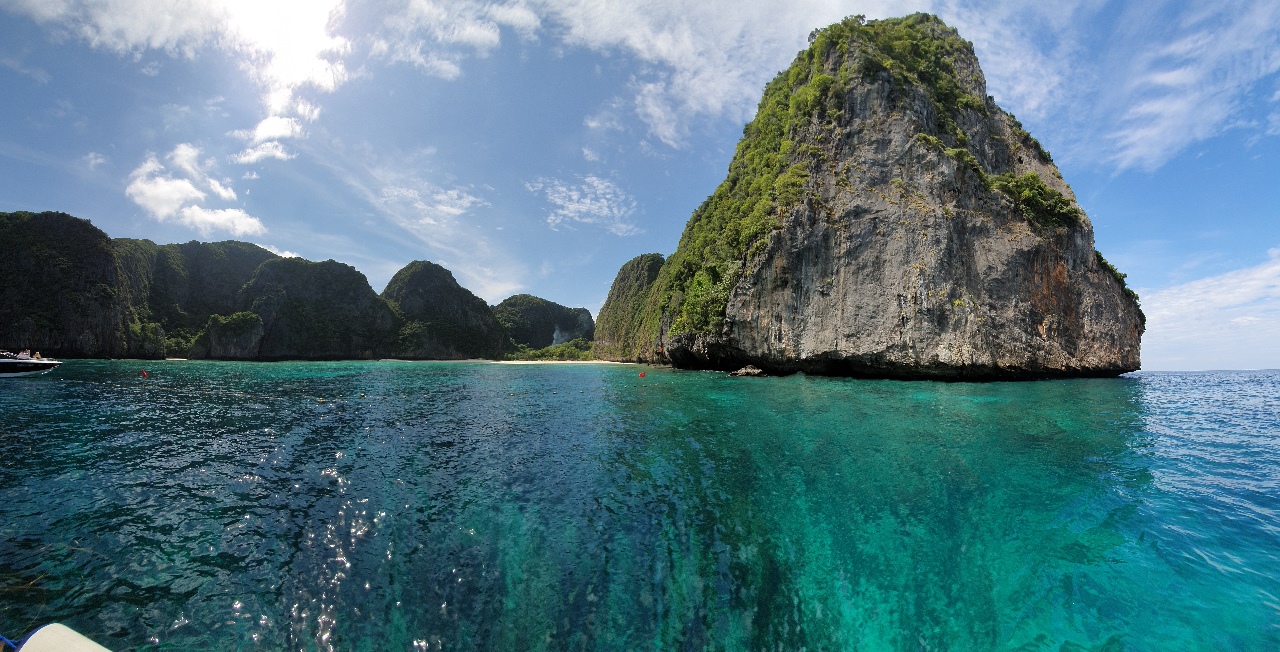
(167, 196)
(285, 46)
(1231, 320)
(270, 149)
(440, 217)
(92, 160)
(1191, 86)
(591, 200)
(16, 65)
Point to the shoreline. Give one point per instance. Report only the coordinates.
(558, 362)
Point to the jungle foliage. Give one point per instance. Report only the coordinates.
(772, 163)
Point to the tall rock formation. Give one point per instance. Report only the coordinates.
(61, 291)
(314, 311)
(443, 320)
(882, 216)
(537, 323)
(182, 285)
(621, 331)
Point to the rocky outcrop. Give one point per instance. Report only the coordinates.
(61, 291)
(442, 320)
(234, 337)
(537, 323)
(628, 327)
(182, 285)
(315, 311)
(883, 217)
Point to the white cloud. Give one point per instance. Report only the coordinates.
(232, 220)
(166, 196)
(592, 201)
(93, 159)
(274, 128)
(279, 252)
(270, 149)
(1228, 321)
(283, 45)
(161, 196)
(435, 36)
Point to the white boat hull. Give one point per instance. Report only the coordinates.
(12, 368)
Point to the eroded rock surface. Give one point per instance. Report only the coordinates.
(884, 217)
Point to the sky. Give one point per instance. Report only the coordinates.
(536, 145)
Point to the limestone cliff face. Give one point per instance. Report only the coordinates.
(60, 290)
(884, 217)
(621, 332)
(233, 337)
(442, 319)
(316, 311)
(537, 323)
(179, 286)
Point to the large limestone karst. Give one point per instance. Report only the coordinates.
(443, 320)
(308, 310)
(179, 286)
(537, 323)
(882, 216)
(620, 331)
(60, 290)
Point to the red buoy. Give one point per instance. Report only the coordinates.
(642, 374)
(144, 374)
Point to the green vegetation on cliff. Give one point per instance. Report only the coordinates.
(311, 310)
(179, 286)
(772, 163)
(61, 290)
(67, 289)
(576, 349)
(536, 323)
(442, 319)
(1036, 201)
(625, 324)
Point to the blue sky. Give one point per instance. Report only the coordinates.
(536, 145)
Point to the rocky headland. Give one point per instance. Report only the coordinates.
(537, 323)
(69, 290)
(882, 216)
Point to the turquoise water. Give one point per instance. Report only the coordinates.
(460, 506)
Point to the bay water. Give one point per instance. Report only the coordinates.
(477, 506)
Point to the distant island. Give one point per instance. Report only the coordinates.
(70, 290)
(881, 217)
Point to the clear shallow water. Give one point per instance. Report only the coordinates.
(478, 506)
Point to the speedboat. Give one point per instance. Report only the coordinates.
(12, 366)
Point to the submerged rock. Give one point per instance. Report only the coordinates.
(749, 371)
(883, 217)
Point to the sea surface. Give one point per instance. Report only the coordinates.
(475, 506)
